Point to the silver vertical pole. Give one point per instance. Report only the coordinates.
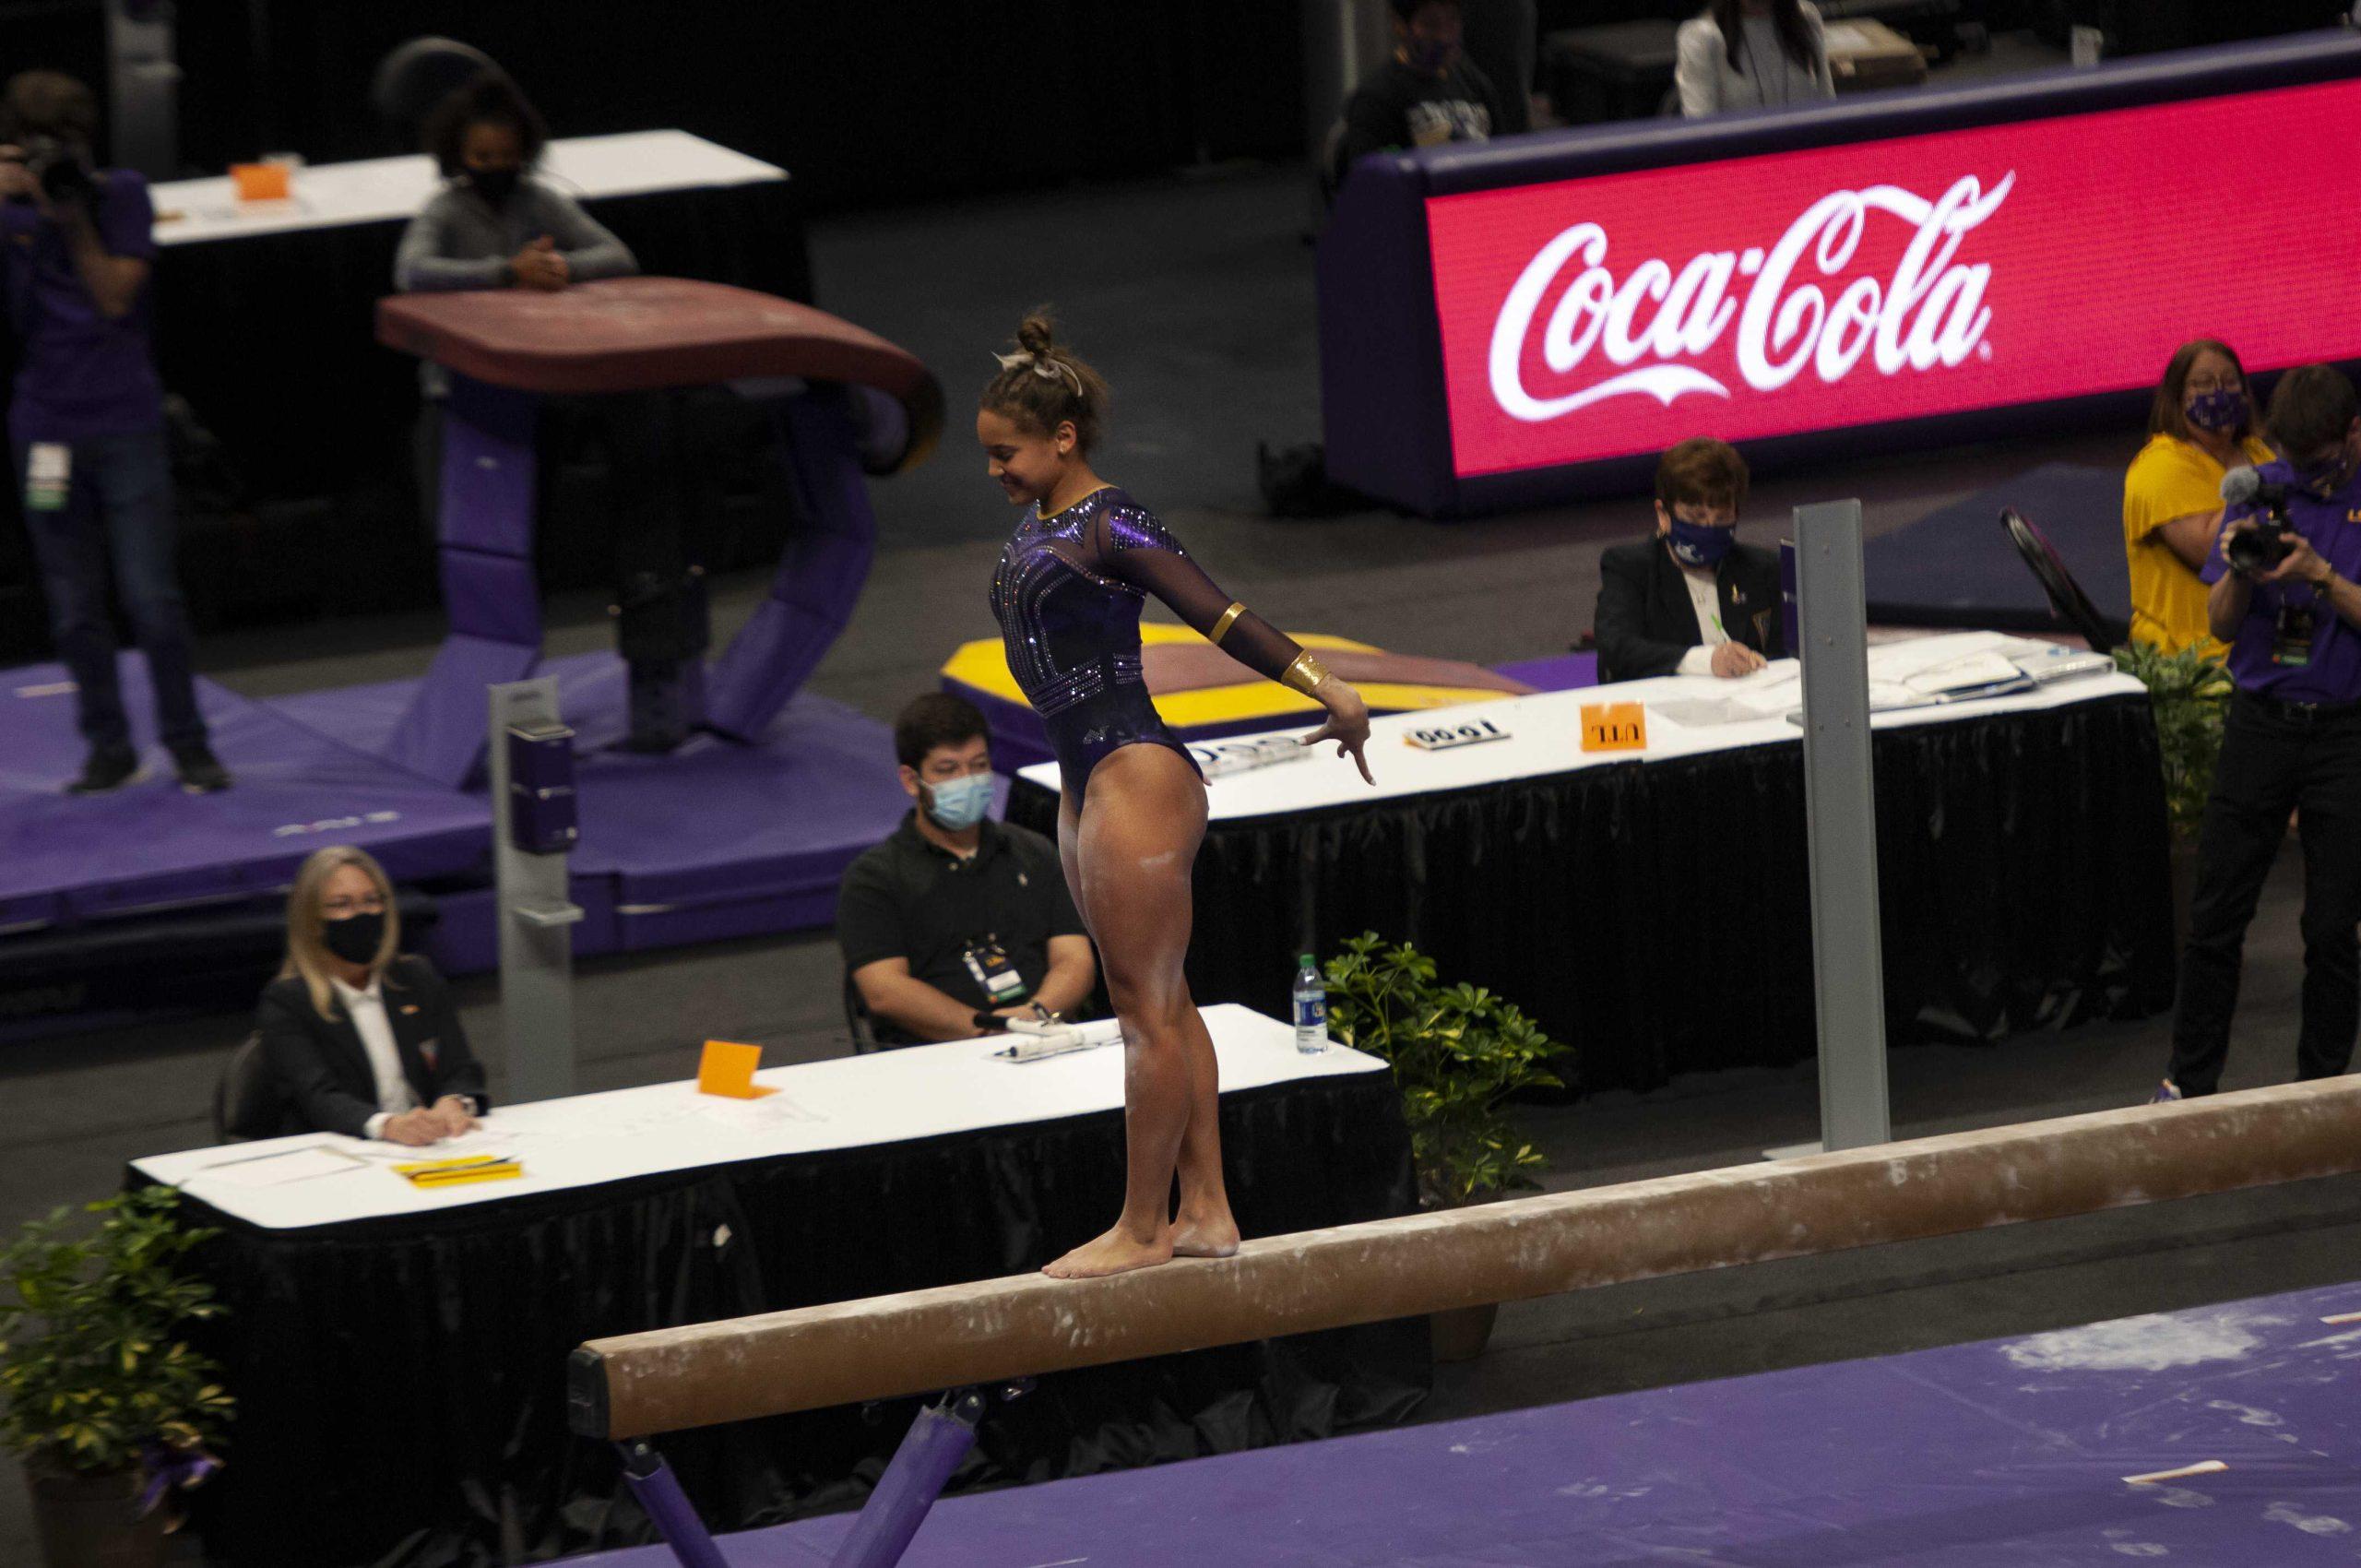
(1840, 817)
(536, 947)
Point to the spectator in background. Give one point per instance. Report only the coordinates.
(87, 424)
(2200, 427)
(361, 1040)
(957, 923)
(1426, 95)
(493, 225)
(1752, 54)
(2292, 742)
(1690, 600)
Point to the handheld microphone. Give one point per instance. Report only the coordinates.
(2241, 485)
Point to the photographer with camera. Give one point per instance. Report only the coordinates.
(2284, 598)
(87, 424)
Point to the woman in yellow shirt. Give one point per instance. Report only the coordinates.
(2200, 426)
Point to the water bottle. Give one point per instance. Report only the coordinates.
(1310, 1008)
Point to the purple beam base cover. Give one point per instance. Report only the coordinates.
(1996, 1454)
(820, 576)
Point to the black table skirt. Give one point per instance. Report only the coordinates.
(1657, 915)
(401, 1383)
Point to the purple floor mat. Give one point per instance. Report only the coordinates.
(717, 839)
(1559, 673)
(2002, 1455)
(148, 846)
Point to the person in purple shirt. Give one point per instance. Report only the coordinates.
(2291, 613)
(87, 424)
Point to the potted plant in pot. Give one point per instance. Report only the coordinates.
(1458, 1053)
(109, 1408)
(2189, 693)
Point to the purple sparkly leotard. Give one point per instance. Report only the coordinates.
(1067, 595)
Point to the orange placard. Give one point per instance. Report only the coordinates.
(728, 1070)
(1615, 727)
(259, 182)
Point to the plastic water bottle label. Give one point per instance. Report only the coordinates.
(1311, 1022)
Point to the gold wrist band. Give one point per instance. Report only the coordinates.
(1229, 618)
(1304, 675)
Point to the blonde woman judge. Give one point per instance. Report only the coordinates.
(362, 1040)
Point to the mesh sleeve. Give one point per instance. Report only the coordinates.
(1128, 545)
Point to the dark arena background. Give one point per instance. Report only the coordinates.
(484, 907)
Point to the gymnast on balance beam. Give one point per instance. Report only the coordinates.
(1067, 593)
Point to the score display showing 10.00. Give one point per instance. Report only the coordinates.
(1443, 737)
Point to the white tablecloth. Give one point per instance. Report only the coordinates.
(377, 189)
(845, 1102)
(1545, 730)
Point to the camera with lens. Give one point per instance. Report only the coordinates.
(62, 167)
(2268, 542)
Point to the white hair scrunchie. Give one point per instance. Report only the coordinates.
(1047, 367)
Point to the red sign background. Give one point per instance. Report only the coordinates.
(2121, 235)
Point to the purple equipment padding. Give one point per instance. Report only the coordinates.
(938, 1440)
(820, 576)
(1987, 1455)
(658, 1490)
(488, 589)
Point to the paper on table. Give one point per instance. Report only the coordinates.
(1703, 713)
(774, 1110)
(275, 1170)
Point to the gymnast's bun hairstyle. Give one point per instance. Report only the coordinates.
(1043, 385)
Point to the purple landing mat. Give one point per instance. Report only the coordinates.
(2002, 1455)
(1560, 673)
(714, 840)
(148, 846)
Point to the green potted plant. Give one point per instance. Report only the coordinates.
(1458, 1053)
(2189, 694)
(109, 1408)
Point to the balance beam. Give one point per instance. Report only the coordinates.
(996, 1330)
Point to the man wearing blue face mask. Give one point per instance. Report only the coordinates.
(957, 923)
(1691, 600)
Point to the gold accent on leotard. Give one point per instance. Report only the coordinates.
(1304, 675)
(1229, 618)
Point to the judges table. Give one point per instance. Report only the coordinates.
(398, 1353)
(1652, 908)
(266, 310)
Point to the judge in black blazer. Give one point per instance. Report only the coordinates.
(1690, 600)
(362, 1041)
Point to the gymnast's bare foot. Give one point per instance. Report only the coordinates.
(1118, 1252)
(1204, 1236)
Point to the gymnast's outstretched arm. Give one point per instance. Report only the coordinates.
(1128, 545)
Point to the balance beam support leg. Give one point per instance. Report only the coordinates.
(653, 1483)
(938, 1440)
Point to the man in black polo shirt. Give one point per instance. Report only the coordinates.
(957, 922)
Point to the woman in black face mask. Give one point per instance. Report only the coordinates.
(493, 225)
(361, 1040)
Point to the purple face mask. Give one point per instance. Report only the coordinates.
(2224, 408)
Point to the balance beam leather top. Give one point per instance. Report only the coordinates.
(636, 334)
(997, 1329)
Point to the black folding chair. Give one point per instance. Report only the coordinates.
(247, 1103)
(420, 75)
(2068, 602)
(856, 1019)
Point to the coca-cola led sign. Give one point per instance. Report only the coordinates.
(1895, 280)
